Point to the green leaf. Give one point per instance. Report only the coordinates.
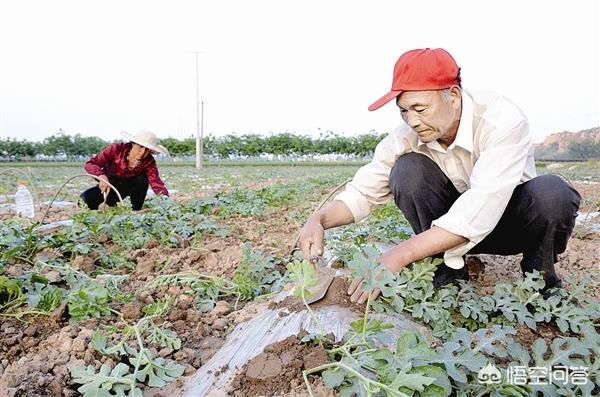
(333, 377)
(314, 339)
(511, 306)
(303, 274)
(493, 341)
(160, 307)
(441, 387)
(51, 300)
(421, 271)
(454, 356)
(519, 353)
(205, 305)
(532, 282)
(411, 345)
(157, 371)
(373, 325)
(471, 305)
(107, 382)
(100, 343)
(90, 300)
(567, 315)
(513, 391)
(564, 351)
(434, 391)
(412, 381)
(163, 337)
(11, 294)
(39, 278)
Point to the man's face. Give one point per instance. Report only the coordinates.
(430, 115)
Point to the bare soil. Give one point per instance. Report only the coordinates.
(278, 370)
(580, 260)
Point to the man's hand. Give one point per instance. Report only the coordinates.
(104, 188)
(428, 243)
(313, 232)
(391, 263)
(357, 294)
(311, 240)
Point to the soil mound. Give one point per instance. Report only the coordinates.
(278, 369)
(336, 296)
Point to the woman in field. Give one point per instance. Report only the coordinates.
(129, 167)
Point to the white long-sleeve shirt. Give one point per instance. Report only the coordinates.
(491, 155)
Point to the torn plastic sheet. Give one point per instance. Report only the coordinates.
(249, 339)
(53, 226)
(590, 219)
(60, 204)
(55, 204)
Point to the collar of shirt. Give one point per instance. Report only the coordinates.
(464, 136)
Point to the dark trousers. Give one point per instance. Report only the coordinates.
(134, 187)
(537, 222)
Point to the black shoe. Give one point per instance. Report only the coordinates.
(445, 275)
(551, 290)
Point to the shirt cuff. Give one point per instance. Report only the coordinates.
(356, 202)
(454, 258)
(455, 224)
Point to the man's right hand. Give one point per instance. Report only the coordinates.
(313, 232)
(104, 188)
(311, 239)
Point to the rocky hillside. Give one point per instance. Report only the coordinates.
(565, 145)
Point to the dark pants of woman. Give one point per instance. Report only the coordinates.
(537, 222)
(135, 187)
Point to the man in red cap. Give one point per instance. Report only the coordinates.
(461, 170)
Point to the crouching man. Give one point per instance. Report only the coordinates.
(461, 170)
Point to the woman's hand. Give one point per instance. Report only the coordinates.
(104, 188)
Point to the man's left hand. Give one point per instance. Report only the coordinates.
(357, 294)
(391, 261)
(428, 243)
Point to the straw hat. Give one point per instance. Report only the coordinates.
(146, 139)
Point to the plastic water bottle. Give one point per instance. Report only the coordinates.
(24, 201)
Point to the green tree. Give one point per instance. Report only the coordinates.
(58, 144)
(365, 144)
(19, 149)
(584, 150)
(250, 145)
(86, 146)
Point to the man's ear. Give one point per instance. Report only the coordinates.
(456, 96)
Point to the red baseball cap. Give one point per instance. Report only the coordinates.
(421, 70)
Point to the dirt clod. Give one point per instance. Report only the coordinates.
(221, 309)
(84, 263)
(132, 310)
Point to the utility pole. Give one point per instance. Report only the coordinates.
(201, 135)
(199, 132)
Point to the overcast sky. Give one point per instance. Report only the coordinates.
(101, 67)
